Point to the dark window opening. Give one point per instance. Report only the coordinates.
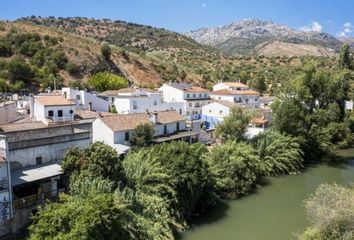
(126, 136)
(165, 129)
(38, 160)
(50, 113)
(177, 127)
(60, 113)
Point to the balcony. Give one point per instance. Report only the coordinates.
(35, 199)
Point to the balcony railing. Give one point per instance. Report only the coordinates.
(35, 199)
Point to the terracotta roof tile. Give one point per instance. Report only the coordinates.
(260, 120)
(14, 127)
(124, 122)
(87, 114)
(232, 92)
(53, 100)
(235, 84)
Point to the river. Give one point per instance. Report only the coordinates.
(274, 212)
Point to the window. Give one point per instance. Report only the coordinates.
(60, 113)
(135, 105)
(78, 97)
(187, 95)
(38, 160)
(155, 102)
(180, 111)
(165, 129)
(126, 137)
(209, 110)
(205, 95)
(200, 95)
(193, 95)
(220, 112)
(50, 113)
(190, 104)
(177, 126)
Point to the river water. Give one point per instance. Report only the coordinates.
(274, 212)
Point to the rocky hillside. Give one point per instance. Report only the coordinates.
(244, 37)
(67, 51)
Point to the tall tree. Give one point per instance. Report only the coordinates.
(143, 135)
(234, 126)
(345, 58)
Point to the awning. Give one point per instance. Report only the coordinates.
(35, 173)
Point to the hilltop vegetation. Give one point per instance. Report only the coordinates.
(159, 57)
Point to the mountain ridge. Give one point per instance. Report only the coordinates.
(228, 37)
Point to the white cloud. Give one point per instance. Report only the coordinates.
(312, 27)
(347, 28)
(347, 25)
(204, 5)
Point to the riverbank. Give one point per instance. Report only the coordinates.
(274, 211)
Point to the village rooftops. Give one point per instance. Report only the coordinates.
(235, 84)
(227, 103)
(187, 87)
(22, 126)
(233, 92)
(130, 121)
(53, 100)
(124, 92)
(87, 114)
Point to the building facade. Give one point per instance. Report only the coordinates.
(139, 100)
(193, 98)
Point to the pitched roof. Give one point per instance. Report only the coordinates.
(226, 103)
(53, 100)
(235, 84)
(87, 114)
(124, 122)
(187, 87)
(22, 126)
(260, 120)
(233, 92)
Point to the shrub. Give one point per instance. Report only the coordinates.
(235, 167)
(106, 51)
(103, 81)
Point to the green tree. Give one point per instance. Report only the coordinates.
(234, 126)
(279, 153)
(235, 167)
(98, 159)
(258, 83)
(331, 211)
(190, 177)
(106, 51)
(20, 70)
(103, 81)
(345, 58)
(143, 135)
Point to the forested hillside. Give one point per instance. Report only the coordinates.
(62, 51)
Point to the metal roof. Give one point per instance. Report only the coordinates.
(35, 173)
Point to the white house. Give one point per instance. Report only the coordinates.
(193, 98)
(236, 86)
(85, 100)
(214, 113)
(117, 130)
(139, 100)
(52, 108)
(236, 92)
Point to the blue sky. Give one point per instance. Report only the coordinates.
(333, 16)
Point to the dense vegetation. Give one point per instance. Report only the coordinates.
(331, 211)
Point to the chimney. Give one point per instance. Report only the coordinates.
(31, 106)
(153, 117)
